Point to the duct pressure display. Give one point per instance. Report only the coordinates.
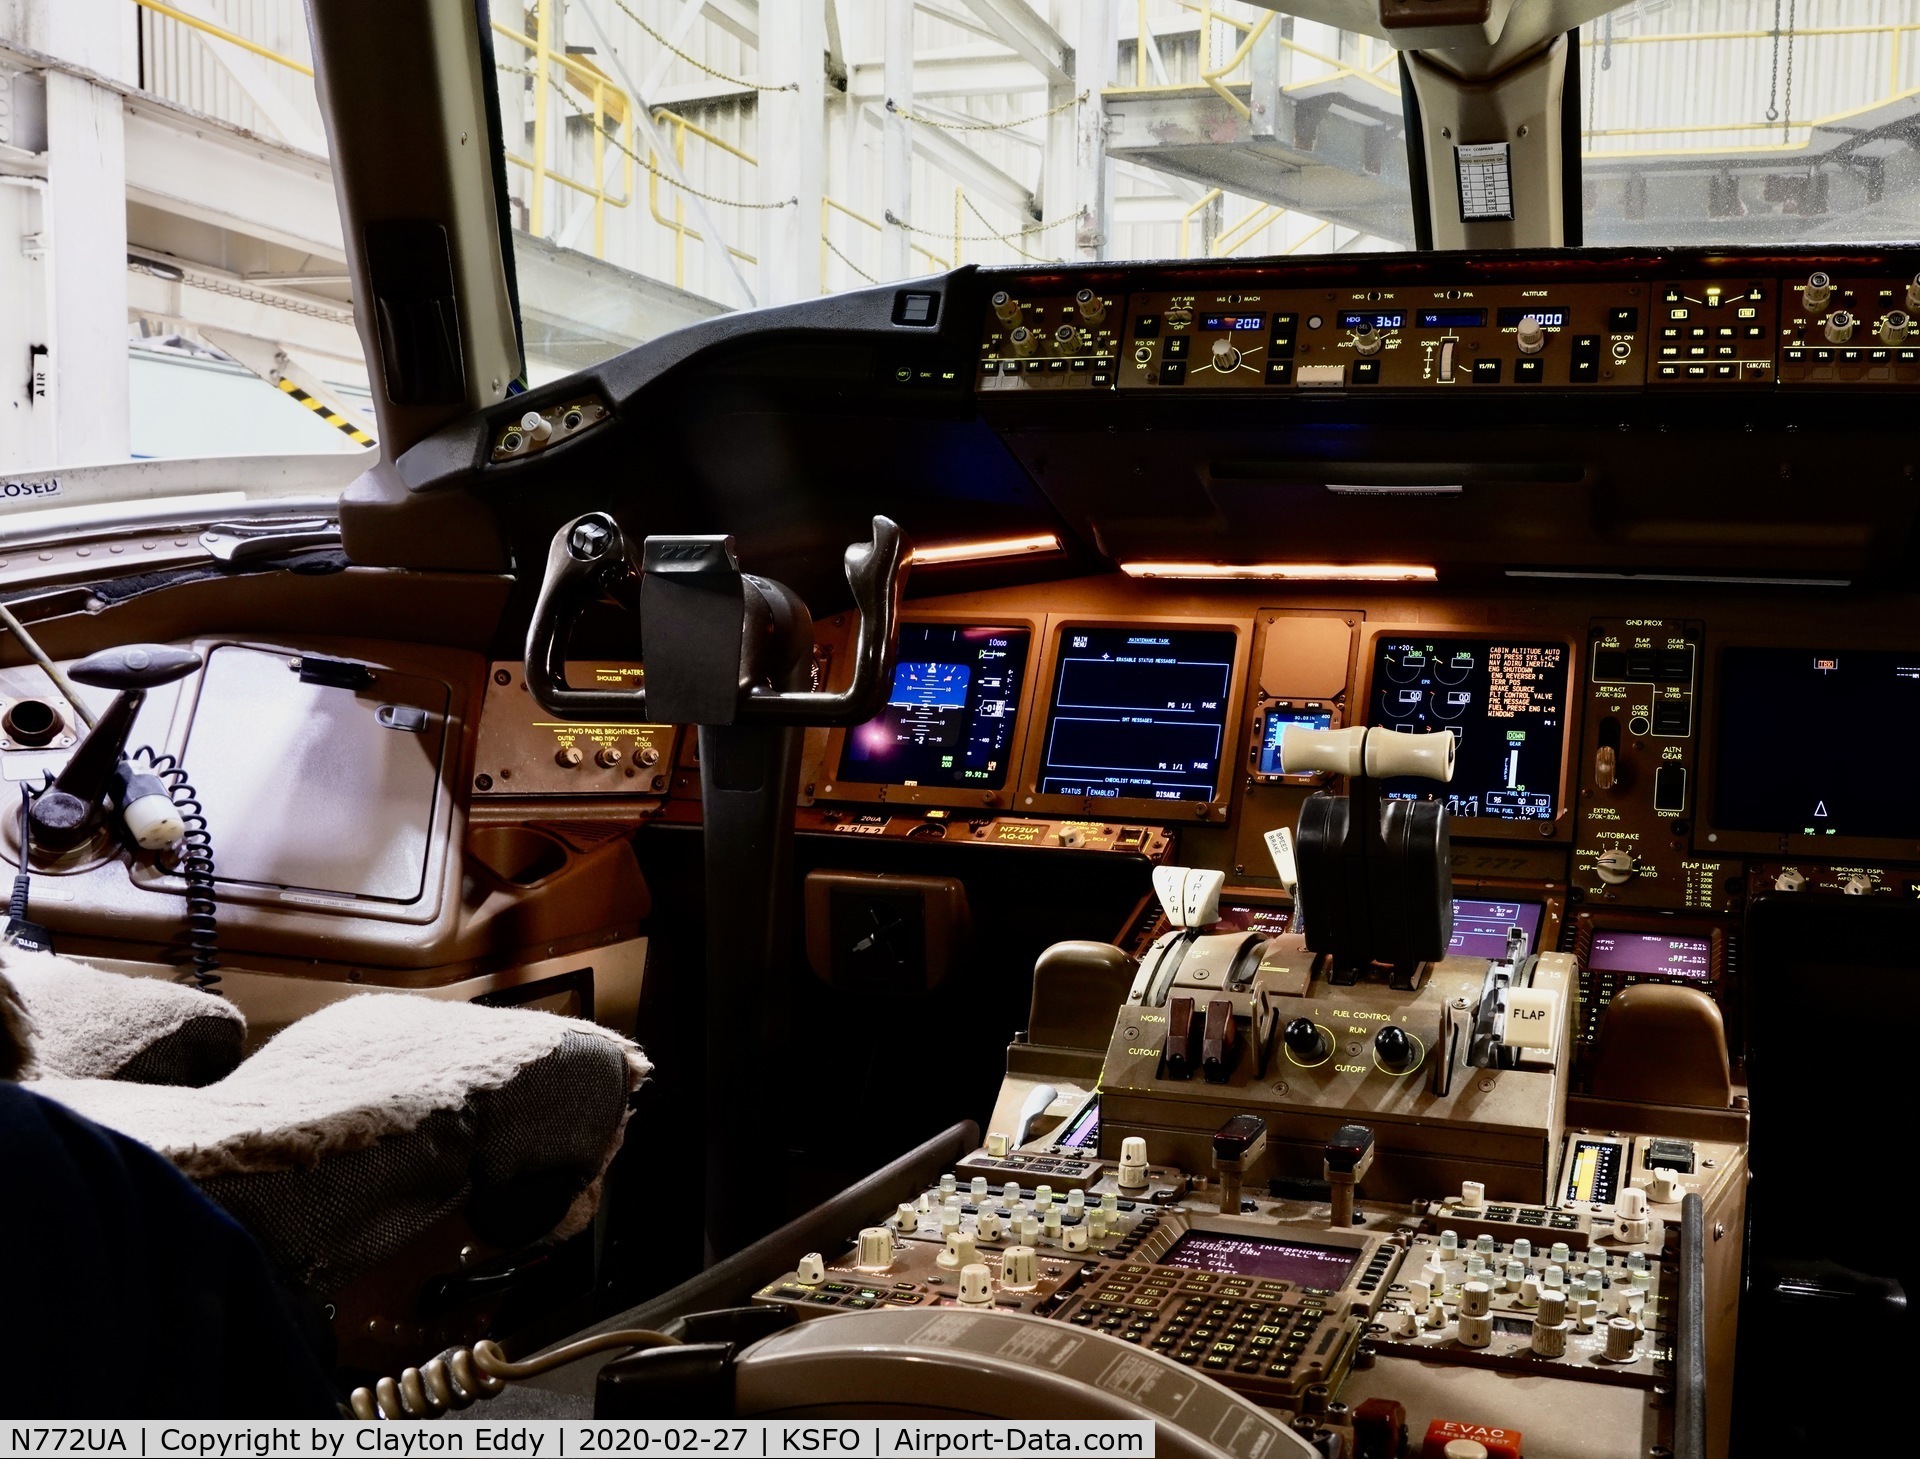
(1504, 702)
(1830, 782)
(950, 719)
(1138, 713)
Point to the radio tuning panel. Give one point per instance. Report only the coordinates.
(1637, 775)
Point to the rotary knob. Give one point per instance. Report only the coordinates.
(1006, 308)
(1019, 1268)
(1395, 1049)
(609, 756)
(1789, 879)
(1092, 307)
(1529, 335)
(570, 757)
(1023, 341)
(1066, 340)
(1366, 339)
(961, 1251)
(1815, 292)
(1913, 293)
(1635, 1223)
(976, 1285)
(876, 1249)
(1838, 327)
(1133, 1163)
(812, 1270)
(1858, 885)
(1225, 356)
(1893, 326)
(1614, 867)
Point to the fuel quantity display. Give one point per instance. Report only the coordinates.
(949, 720)
(1505, 702)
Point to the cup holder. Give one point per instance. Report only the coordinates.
(516, 854)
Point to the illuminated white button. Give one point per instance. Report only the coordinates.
(1530, 1018)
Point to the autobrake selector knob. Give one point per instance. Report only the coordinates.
(1529, 335)
(1306, 1041)
(1395, 1049)
(1614, 867)
(1839, 326)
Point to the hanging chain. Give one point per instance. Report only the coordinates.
(835, 250)
(1038, 116)
(1786, 122)
(1773, 84)
(1006, 238)
(700, 65)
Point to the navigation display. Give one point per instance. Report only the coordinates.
(1825, 785)
(1505, 702)
(1480, 928)
(950, 719)
(1138, 713)
(1304, 1263)
(1651, 954)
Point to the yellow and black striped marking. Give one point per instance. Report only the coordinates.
(327, 413)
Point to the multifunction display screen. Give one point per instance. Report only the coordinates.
(1651, 954)
(1820, 784)
(1304, 1263)
(1480, 928)
(1275, 723)
(1504, 702)
(1594, 1170)
(1138, 713)
(950, 718)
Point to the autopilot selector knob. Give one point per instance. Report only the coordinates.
(1305, 1040)
(1225, 356)
(1366, 339)
(1529, 335)
(1815, 292)
(1839, 326)
(1395, 1049)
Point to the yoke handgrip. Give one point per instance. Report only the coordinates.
(877, 574)
(588, 558)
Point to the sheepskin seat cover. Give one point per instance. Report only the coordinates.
(90, 1024)
(357, 1128)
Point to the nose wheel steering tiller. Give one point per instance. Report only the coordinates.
(732, 654)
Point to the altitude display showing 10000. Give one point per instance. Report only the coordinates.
(1505, 703)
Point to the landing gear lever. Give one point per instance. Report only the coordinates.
(732, 654)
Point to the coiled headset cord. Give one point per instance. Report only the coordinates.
(461, 1377)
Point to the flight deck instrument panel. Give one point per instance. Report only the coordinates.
(1503, 700)
(952, 715)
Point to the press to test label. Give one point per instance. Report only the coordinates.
(546, 1439)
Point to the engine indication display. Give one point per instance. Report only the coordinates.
(1304, 1263)
(1651, 955)
(950, 717)
(1138, 713)
(1505, 702)
(1825, 786)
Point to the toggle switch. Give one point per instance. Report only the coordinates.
(1306, 1042)
(1218, 1046)
(1177, 1052)
(1395, 1051)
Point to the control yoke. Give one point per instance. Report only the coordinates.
(704, 627)
(732, 654)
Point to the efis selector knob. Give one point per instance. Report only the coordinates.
(1066, 340)
(1023, 341)
(876, 1249)
(1815, 292)
(1006, 308)
(1366, 339)
(1133, 1163)
(1634, 1222)
(1529, 335)
(1019, 1268)
(976, 1285)
(1838, 327)
(1305, 1041)
(1893, 326)
(1092, 307)
(1395, 1049)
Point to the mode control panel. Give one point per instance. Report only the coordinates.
(1468, 337)
(1638, 779)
